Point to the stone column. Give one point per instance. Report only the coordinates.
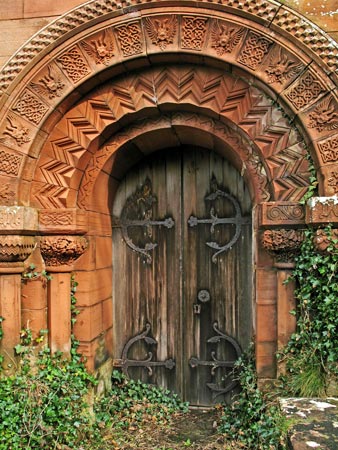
(59, 254)
(18, 225)
(281, 225)
(14, 249)
(284, 245)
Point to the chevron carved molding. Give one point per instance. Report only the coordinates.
(74, 153)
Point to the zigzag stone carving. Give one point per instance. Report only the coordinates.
(276, 151)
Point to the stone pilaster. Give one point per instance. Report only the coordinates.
(59, 254)
(14, 250)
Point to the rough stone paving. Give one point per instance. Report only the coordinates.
(316, 423)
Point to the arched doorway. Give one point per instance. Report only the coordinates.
(182, 272)
(254, 82)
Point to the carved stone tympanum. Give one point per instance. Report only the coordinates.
(62, 250)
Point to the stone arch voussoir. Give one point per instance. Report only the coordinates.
(267, 44)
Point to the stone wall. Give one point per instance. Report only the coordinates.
(21, 19)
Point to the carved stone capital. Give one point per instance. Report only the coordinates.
(322, 241)
(283, 244)
(62, 250)
(15, 249)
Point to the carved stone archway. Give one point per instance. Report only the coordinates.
(256, 81)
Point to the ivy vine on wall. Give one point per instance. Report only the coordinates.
(311, 355)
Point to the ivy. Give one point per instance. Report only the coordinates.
(47, 402)
(253, 421)
(132, 403)
(312, 353)
(313, 182)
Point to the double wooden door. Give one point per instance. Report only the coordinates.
(182, 273)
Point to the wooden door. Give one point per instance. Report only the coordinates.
(182, 273)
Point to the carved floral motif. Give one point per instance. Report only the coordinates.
(16, 248)
(74, 64)
(10, 163)
(15, 131)
(307, 89)
(193, 32)
(49, 85)
(162, 30)
(225, 38)
(283, 244)
(281, 67)
(130, 38)
(100, 48)
(324, 116)
(255, 48)
(329, 149)
(62, 250)
(30, 107)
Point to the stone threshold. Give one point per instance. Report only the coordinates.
(314, 423)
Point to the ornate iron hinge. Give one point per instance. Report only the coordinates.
(147, 363)
(137, 212)
(238, 220)
(215, 363)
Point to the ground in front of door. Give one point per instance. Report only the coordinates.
(194, 430)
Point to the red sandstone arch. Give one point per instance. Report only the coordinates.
(272, 48)
(67, 109)
(260, 137)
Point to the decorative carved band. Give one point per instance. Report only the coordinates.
(307, 89)
(254, 50)
(329, 150)
(324, 116)
(283, 244)
(282, 213)
(62, 250)
(130, 38)
(62, 221)
(162, 31)
(10, 163)
(30, 107)
(193, 32)
(321, 210)
(74, 64)
(18, 218)
(16, 248)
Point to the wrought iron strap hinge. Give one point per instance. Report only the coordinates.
(137, 212)
(146, 363)
(238, 220)
(216, 363)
